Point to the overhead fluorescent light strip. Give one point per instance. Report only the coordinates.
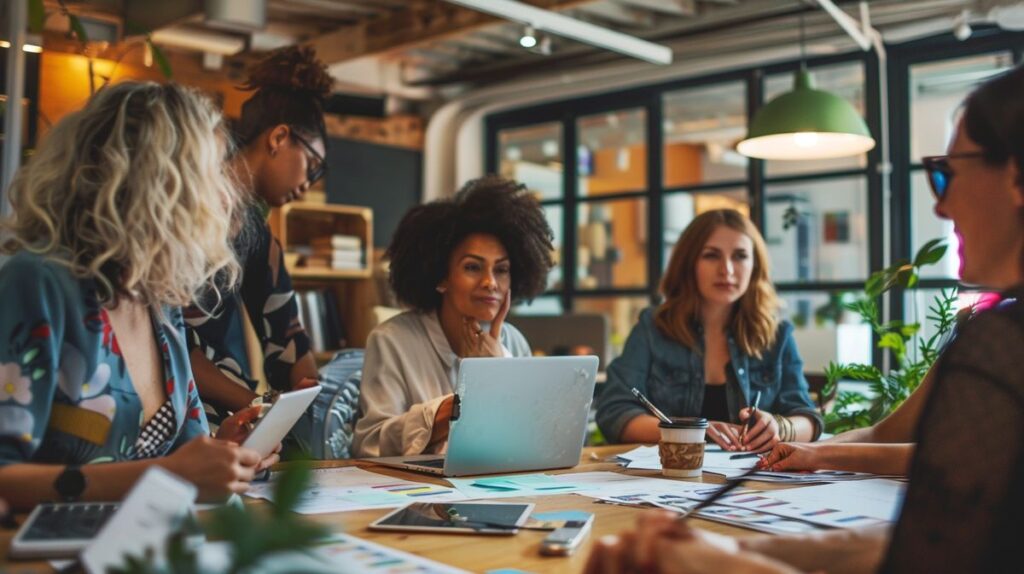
(562, 25)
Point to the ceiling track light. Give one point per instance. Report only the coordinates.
(962, 26)
(572, 28)
(529, 38)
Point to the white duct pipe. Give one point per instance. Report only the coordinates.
(848, 24)
(199, 41)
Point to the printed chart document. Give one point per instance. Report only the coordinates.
(337, 554)
(849, 504)
(351, 488)
(878, 497)
(717, 461)
(351, 555)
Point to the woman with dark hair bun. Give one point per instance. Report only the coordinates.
(280, 154)
(460, 264)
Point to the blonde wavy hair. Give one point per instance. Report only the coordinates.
(754, 319)
(132, 191)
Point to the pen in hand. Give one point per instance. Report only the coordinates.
(750, 420)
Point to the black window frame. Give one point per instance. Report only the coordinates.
(902, 57)
(650, 96)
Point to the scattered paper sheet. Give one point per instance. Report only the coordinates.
(338, 553)
(350, 488)
(877, 498)
(514, 485)
(717, 461)
(600, 484)
(853, 504)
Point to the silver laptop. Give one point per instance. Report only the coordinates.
(513, 415)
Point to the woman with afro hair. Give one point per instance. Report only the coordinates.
(460, 264)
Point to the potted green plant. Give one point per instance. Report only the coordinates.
(911, 354)
(253, 535)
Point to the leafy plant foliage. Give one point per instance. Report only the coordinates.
(912, 355)
(252, 535)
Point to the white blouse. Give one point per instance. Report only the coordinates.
(407, 374)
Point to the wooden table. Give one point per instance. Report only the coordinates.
(477, 553)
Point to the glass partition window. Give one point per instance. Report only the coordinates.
(701, 128)
(611, 244)
(844, 80)
(623, 314)
(817, 231)
(532, 155)
(925, 226)
(612, 152)
(679, 209)
(825, 332)
(937, 90)
(544, 305)
(553, 214)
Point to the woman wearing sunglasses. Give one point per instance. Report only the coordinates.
(963, 503)
(888, 447)
(280, 154)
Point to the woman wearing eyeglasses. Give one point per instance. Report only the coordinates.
(280, 154)
(963, 503)
(888, 447)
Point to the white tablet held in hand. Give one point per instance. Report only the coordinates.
(280, 419)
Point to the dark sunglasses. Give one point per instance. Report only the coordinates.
(940, 173)
(314, 169)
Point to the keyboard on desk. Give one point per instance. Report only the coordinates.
(431, 463)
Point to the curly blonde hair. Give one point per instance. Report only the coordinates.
(754, 320)
(132, 191)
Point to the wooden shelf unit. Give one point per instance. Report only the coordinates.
(297, 224)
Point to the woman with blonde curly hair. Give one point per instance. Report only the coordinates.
(122, 216)
(712, 346)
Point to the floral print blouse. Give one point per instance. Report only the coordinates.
(65, 393)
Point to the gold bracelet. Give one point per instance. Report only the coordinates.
(786, 431)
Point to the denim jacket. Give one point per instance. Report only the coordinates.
(672, 377)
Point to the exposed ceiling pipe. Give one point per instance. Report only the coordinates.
(17, 20)
(848, 24)
(234, 15)
(562, 25)
(199, 41)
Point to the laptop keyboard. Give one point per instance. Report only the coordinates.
(432, 463)
(69, 521)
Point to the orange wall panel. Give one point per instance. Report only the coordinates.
(64, 82)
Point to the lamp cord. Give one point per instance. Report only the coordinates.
(803, 53)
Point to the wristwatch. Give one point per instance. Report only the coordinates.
(70, 483)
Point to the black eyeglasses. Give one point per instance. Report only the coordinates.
(940, 173)
(314, 169)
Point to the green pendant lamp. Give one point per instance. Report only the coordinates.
(806, 124)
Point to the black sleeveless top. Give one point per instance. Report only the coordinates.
(715, 407)
(964, 504)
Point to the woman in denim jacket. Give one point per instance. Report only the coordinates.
(712, 346)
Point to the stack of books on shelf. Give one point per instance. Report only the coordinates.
(337, 252)
(320, 317)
